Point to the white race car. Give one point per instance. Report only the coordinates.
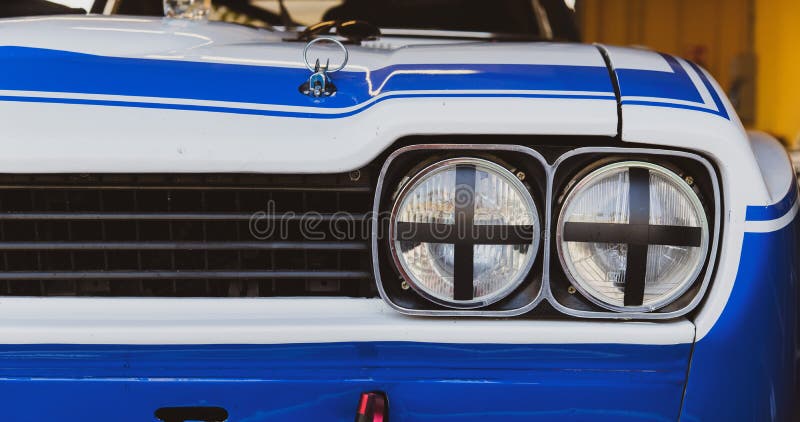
(372, 219)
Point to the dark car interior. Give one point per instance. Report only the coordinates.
(509, 17)
(14, 8)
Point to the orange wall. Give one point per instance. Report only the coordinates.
(777, 44)
(713, 33)
(752, 41)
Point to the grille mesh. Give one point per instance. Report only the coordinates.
(183, 235)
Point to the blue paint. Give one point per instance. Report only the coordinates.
(673, 85)
(771, 212)
(40, 70)
(43, 70)
(745, 368)
(424, 381)
(722, 111)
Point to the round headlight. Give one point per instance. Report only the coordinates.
(464, 232)
(632, 236)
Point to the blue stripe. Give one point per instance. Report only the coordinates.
(674, 85)
(774, 211)
(41, 70)
(722, 111)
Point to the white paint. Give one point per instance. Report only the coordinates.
(230, 43)
(293, 320)
(637, 58)
(774, 163)
(711, 106)
(149, 140)
(777, 170)
(283, 108)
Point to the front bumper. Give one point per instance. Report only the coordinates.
(423, 381)
(310, 359)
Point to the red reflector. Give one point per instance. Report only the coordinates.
(373, 407)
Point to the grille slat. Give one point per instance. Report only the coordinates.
(108, 216)
(185, 275)
(177, 246)
(185, 235)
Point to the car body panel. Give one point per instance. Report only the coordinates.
(424, 381)
(752, 351)
(242, 85)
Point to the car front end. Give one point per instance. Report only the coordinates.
(185, 228)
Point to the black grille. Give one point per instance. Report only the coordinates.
(184, 235)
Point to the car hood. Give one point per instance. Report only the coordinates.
(118, 91)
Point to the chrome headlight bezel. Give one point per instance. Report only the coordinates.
(398, 171)
(575, 165)
(407, 273)
(567, 261)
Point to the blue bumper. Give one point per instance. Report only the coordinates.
(746, 367)
(323, 382)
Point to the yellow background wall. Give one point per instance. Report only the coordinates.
(720, 35)
(777, 45)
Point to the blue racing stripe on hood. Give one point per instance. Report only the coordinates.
(670, 89)
(41, 70)
(675, 85)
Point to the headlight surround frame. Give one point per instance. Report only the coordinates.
(547, 280)
(397, 172)
(572, 167)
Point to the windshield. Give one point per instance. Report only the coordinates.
(530, 18)
(534, 19)
(506, 16)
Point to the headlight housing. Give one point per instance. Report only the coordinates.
(632, 236)
(464, 232)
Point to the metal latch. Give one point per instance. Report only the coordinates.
(319, 84)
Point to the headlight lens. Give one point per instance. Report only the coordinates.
(464, 232)
(632, 236)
